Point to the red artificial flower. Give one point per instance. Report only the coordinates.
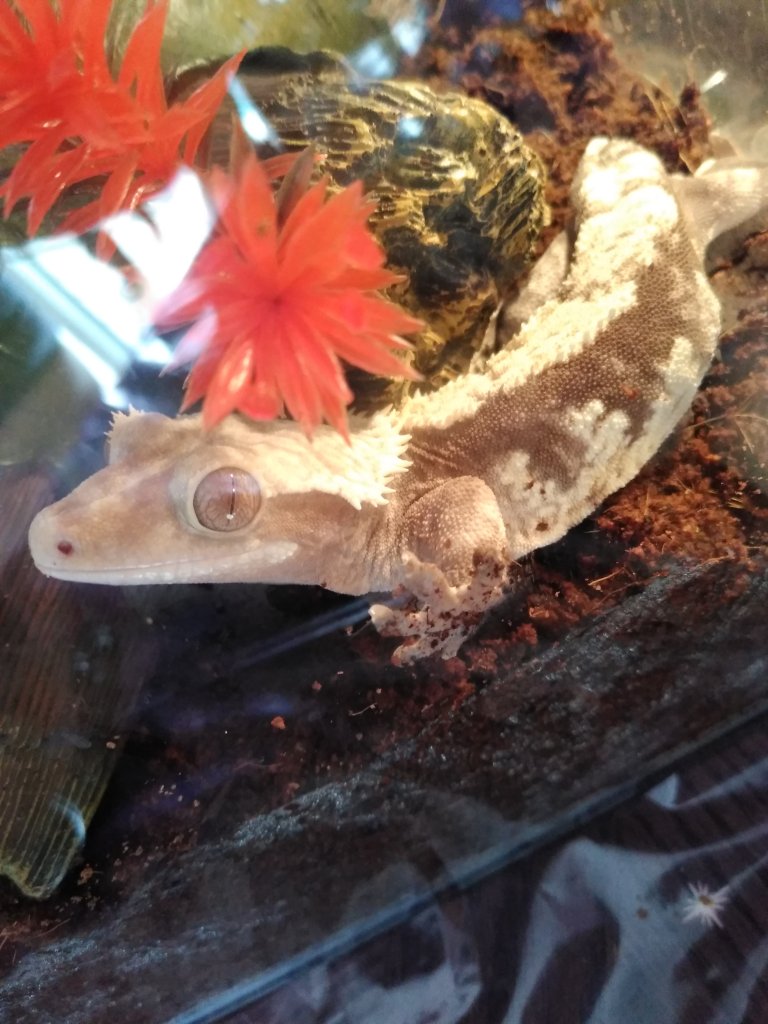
(58, 94)
(48, 66)
(283, 292)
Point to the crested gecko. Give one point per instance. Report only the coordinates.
(439, 498)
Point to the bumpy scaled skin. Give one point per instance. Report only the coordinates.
(438, 499)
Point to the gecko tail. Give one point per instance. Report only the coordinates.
(721, 195)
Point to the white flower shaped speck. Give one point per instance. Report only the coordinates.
(703, 905)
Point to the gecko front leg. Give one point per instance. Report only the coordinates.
(455, 563)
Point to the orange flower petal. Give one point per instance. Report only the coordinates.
(140, 72)
(56, 85)
(250, 218)
(202, 105)
(88, 20)
(195, 342)
(67, 166)
(30, 171)
(290, 302)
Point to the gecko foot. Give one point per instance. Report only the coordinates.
(438, 616)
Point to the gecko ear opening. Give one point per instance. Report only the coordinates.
(226, 499)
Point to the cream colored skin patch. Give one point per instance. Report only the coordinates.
(438, 500)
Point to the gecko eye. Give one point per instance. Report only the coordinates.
(226, 499)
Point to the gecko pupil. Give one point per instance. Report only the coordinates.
(226, 499)
(232, 496)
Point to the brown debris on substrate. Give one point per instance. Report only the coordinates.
(558, 79)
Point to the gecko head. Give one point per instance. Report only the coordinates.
(243, 502)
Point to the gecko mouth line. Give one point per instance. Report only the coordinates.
(171, 568)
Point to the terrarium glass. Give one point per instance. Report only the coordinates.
(211, 788)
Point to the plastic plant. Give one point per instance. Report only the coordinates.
(282, 294)
(287, 287)
(81, 121)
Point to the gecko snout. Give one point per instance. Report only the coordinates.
(51, 547)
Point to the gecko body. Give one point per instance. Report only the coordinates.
(442, 496)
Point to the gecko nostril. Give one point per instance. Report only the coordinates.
(65, 547)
